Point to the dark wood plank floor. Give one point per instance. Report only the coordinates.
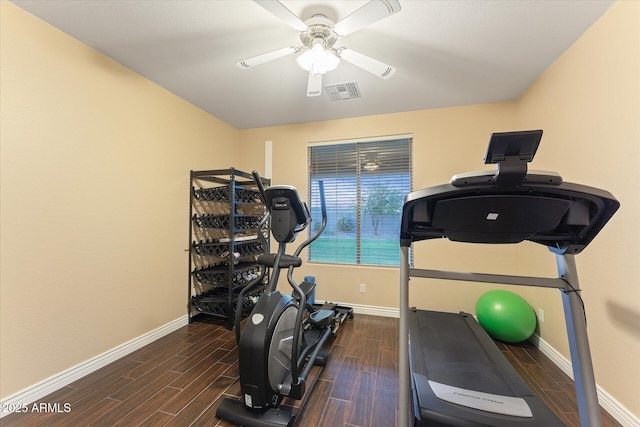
(180, 379)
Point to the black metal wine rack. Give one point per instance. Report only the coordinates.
(219, 275)
(214, 303)
(223, 249)
(222, 221)
(223, 194)
(225, 213)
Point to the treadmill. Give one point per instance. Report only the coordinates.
(451, 372)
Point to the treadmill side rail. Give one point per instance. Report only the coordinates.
(574, 316)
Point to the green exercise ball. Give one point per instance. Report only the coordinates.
(506, 316)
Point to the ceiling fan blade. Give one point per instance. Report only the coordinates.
(266, 57)
(371, 12)
(280, 11)
(367, 63)
(314, 85)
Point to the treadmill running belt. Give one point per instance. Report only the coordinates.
(454, 358)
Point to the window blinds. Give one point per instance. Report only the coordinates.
(365, 183)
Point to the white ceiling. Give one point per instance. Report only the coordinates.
(446, 53)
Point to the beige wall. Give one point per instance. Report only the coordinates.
(95, 164)
(588, 103)
(94, 181)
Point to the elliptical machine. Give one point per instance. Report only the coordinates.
(284, 335)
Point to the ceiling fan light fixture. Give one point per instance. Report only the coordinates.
(318, 59)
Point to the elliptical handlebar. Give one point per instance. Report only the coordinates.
(303, 301)
(254, 282)
(323, 207)
(265, 242)
(258, 180)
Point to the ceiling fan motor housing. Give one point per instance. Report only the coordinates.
(319, 28)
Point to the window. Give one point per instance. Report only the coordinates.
(365, 183)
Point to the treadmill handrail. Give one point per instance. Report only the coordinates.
(505, 279)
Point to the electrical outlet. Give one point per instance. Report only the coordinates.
(540, 315)
(363, 288)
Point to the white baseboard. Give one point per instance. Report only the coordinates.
(55, 382)
(375, 311)
(608, 403)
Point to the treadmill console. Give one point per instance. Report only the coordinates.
(508, 205)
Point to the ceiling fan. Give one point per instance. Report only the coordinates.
(319, 34)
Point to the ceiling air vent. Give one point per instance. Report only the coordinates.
(340, 91)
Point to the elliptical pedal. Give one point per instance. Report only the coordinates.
(321, 318)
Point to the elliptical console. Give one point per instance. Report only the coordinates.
(284, 335)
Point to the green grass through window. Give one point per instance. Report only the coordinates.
(343, 251)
